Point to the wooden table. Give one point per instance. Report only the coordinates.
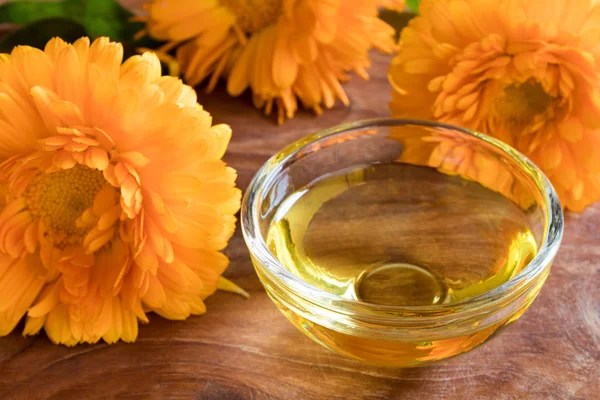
(245, 349)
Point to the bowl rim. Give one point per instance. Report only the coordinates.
(250, 218)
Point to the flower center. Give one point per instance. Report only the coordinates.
(254, 15)
(59, 198)
(520, 103)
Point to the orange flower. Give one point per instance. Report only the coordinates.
(393, 4)
(526, 72)
(281, 49)
(116, 199)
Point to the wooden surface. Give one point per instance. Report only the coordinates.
(245, 349)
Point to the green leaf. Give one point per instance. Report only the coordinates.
(99, 17)
(26, 12)
(413, 5)
(105, 18)
(39, 33)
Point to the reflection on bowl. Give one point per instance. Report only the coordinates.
(401, 242)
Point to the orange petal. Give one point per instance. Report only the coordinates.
(115, 326)
(57, 326)
(46, 301)
(155, 295)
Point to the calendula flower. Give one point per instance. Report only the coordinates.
(115, 199)
(526, 72)
(280, 49)
(398, 5)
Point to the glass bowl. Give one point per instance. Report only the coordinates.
(401, 242)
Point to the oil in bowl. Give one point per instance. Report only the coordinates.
(401, 235)
(388, 241)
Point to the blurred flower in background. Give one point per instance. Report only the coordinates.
(526, 72)
(398, 5)
(115, 199)
(280, 49)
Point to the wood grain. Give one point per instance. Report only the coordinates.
(245, 349)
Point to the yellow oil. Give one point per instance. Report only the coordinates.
(395, 234)
(401, 235)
